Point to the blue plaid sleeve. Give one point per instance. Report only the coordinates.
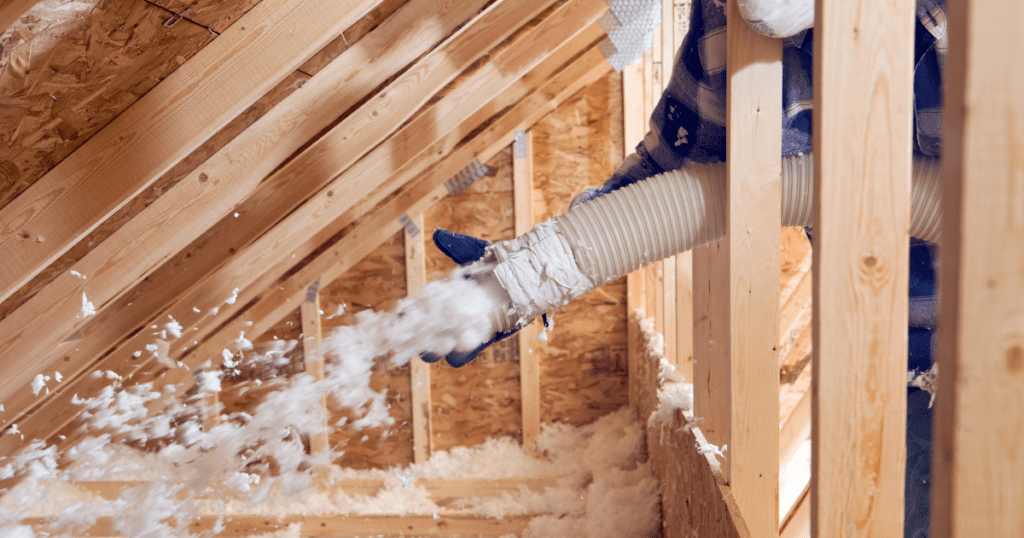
(688, 124)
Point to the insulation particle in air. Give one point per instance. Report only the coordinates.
(87, 307)
(38, 383)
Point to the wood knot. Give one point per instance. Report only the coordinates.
(25, 235)
(1015, 359)
(870, 262)
(203, 178)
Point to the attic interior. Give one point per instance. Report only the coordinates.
(210, 201)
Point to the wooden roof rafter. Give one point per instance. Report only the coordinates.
(379, 225)
(162, 128)
(52, 409)
(233, 173)
(426, 190)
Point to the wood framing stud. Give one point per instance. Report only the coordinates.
(978, 471)
(753, 228)
(863, 97)
(313, 357)
(416, 278)
(529, 361)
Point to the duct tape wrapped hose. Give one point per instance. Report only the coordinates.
(642, 223)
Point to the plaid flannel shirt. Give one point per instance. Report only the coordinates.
(688, 124)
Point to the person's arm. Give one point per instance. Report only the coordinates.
(778, 18)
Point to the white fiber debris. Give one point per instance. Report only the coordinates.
(56, 377)
(241, 481)
(243, 343)
(38, 383)
(925, 381)
(712, 449)
(592, 481)
(338, 312)
(173, 327)
(234, 293)
(208, 381)
(79, 275)
(87, 307)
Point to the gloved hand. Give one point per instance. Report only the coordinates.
(463, 250)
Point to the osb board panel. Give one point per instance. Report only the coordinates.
(794, 247)
(695, 500)
(576, 146)
(484, 209)
(481, 399)
(377, 282)
(583, 365)
(478, 401)
(382, 446)
(72, 76)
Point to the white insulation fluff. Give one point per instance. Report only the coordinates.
(255, 462)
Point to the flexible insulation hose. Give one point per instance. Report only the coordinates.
(678, 210)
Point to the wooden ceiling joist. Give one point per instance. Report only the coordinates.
(381, 526)
(52, 414)
(218, 186)
(163, 127)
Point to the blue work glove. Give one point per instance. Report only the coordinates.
(463, 250)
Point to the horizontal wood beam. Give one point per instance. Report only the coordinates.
(53, 415)
(356, 525)
(439, 489)
(163, 127)
(215, 188)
